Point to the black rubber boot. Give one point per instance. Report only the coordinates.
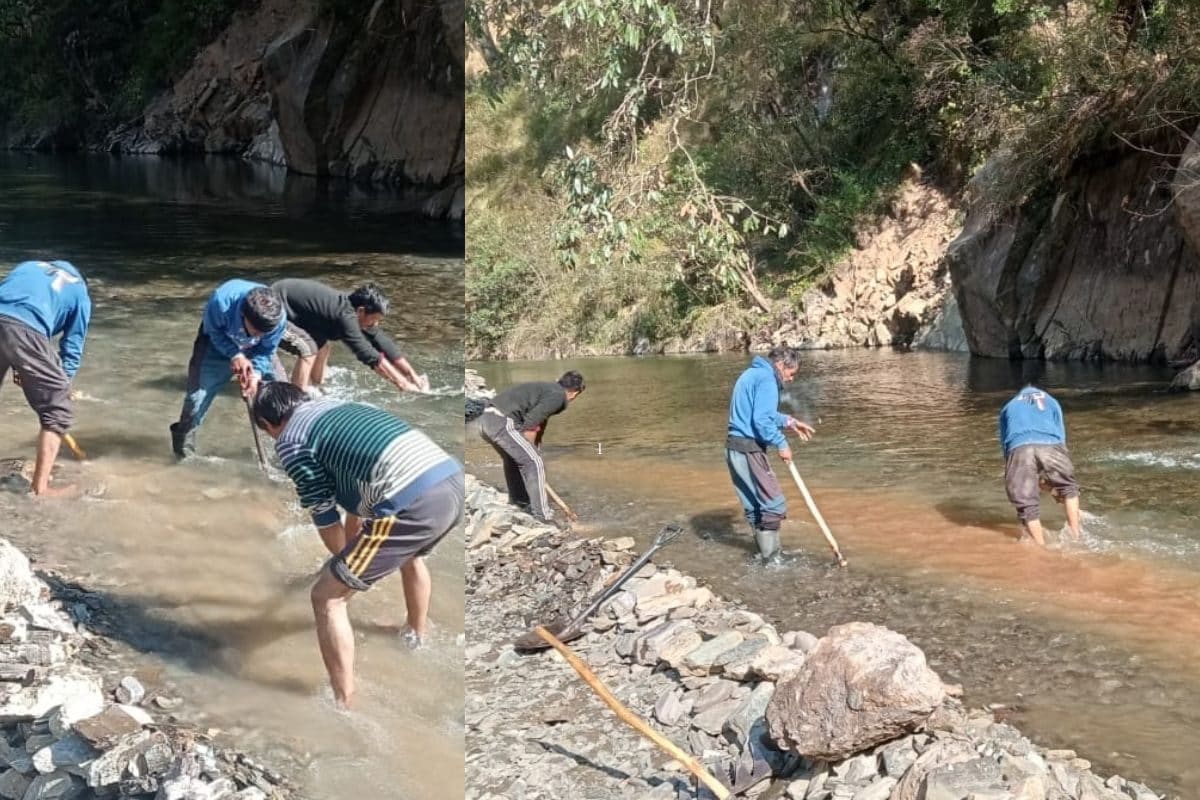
(768, 544)
(184, 444)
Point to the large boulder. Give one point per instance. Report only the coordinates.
(861, 685)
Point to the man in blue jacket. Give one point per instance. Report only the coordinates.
(38, 301)
(242, 327)
(754, 425)
(1034, 441)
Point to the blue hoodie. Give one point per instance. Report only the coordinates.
(754, 406)
(51, 298)
(223, 326)
(1032, 417)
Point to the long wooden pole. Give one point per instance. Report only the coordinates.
(812, 506)
(74, 447)
(633, 720)
(262, 460)
(571, 515)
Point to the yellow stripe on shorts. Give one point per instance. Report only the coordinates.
(373, 548)
(362, 544)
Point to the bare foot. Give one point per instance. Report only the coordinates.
(70, 490)
(412, 638)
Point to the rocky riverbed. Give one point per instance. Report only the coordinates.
(856, 714)
(71, 727)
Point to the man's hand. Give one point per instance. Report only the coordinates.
(241, 367)
(802, 429)
(785, 453)
(16, 378)
(531, 436)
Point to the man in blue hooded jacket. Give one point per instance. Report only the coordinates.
(38, 301)
(242, 326)
(754, 425)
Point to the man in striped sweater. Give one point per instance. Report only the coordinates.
(401, 493)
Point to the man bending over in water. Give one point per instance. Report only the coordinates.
(1034, 441)
(402, 494)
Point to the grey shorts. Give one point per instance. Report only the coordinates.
(47, 388)
(298, 342)
(386, 544)
(1024, 468)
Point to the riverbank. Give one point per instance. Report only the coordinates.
(72, 726)
(710, 674)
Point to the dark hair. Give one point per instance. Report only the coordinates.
(572, 381)
(275, 402)
(370, 298)
(784, 356)
(263, 309)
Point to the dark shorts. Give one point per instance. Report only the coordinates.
(47, 388)
(298, 342)
(386, 544)
(1024, 468)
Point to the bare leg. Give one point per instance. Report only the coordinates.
(319, 362)
(330, 598)
(418, 587)
(1072, 506)
(302, 370)
(47, 452)
(1034, 528)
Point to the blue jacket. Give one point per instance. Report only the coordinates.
(224, 328)
(754, 406)
(51, 298)
(1032, 417)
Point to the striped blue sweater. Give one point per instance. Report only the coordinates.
(358, 457)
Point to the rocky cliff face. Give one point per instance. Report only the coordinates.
(1100, 270)
(376, 99)
(893, 289)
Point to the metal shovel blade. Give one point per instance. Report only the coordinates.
(574, 628)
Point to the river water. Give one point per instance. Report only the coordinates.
(205, 562)
(1096, 648)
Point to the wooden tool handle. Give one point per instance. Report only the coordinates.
(633, 720)
(812, 507)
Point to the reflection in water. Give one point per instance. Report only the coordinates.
(1097, 648)
(206, 566)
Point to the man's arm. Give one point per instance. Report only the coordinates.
(766, 417)
(216, 323)
(314, 486)
(70, 347)
(262, 354)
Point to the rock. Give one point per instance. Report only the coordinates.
(621, 543)
(942, 752)
(955, 781)
(859, 769)
(1032, 787)
(1139, 791)
(740, 722)
(718, 691)
(31, 702)
(107, 768)
(66, 753)
(660, 605)
(776, 663)
(41, 616)
(700, 660)
(798, 789)
(78, 707)
(16, 756)
(741, 657)
(130, 690)
(897, 757)
(57, 786)
(670, 708)
(105, 729)
(668, 641)
(18, 584)
(13, 785)
(713, 719)
(183, 787)
(879, 790)
(803, 641)
(861, 685)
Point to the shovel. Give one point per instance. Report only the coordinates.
(574, 628)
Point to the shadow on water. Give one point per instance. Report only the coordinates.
(974, 514)
(725, 527)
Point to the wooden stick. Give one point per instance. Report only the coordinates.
(571, 515)
(812, 506)
(73, 446)
(633, 720)
(262, 461)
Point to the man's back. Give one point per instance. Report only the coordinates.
(315, 307)
(529, 404)
(359, 453)
(1031, 417)
(45, 295)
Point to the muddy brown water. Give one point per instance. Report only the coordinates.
(205, 563)
(1094, 648)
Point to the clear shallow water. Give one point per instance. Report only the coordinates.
(1096, 648)
(207, 561)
